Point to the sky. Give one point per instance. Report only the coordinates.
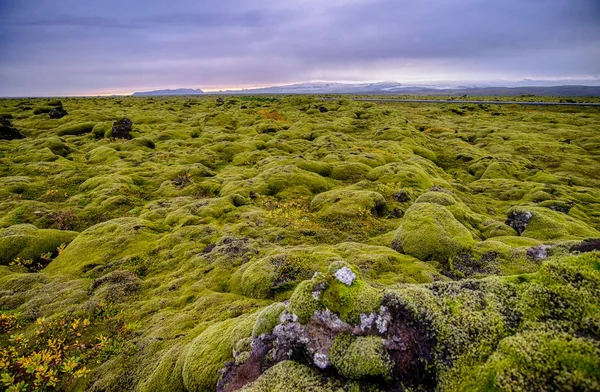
(90, 47)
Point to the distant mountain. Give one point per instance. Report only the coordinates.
(179, 91)
(394, 88)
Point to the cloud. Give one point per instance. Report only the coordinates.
(74, 46)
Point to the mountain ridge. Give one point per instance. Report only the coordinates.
(393, 88)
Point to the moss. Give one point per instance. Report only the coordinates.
(344, 204)
(42, 110)
(546, 224)
(360, 357)
(440, 198)
(210, 351)
(282, 181)
(101, 129)
(302, 303)
(430, 232)
(540, 361)
(266, 277)
(289, 376)
(75, 129)
(349, 171)
(167, 375)
(406, 175)
(101, 154)
(267, 319)
(349, 302)
(57, 146)
(29, 243)
(102, 243)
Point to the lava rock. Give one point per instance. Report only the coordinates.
(565, 208)
(323, 109)
(537, 253)
(588, 245)
(7, 132)
(122, 128)
(401, 196)
(57, 112)
(519, 220)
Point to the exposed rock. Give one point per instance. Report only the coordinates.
(588, 245)
(401, 196)
(345, 275)
(539, 252)
(122, 128)
(518, 220)
(323, 109)
(57, 112)
(7, 132)
(564, 208)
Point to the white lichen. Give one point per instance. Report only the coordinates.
(345, 275)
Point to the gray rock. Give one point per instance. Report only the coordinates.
(345, 275)
(539, 252)
(519, 220)
(321, 360)
(366, 321)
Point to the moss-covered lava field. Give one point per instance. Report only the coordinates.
(298, 244)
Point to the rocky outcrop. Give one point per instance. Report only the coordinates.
(122, 128)
(7, 132)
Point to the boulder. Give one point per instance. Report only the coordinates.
(57, 112)
(7, 132)
(122, 128)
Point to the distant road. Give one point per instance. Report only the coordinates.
(461, 101)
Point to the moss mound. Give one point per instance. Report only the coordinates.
(360, 357)
(27, 242)
(430, 232)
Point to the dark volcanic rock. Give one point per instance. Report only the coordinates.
(121, 129)
(588, 245)
(401, 196)
(7, 132)
(57, 112)
(564, 208)
(323, 109)
(518, 220)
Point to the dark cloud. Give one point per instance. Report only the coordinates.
(72, 47)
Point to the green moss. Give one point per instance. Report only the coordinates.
(349, 171)
(75, 129)
(266, 277)
(546, 224)
(302, 303)
(211, 350)
(267, 319)
(57, 146)
(289, 376)
(440, 198)
(101, 128)
(344, 204)
(360, 357)
(430, 232)
(101, 154)
(167, 375)
(42, 110)
(540, 361)
(104, 242)
(29, 243)
(406, 175)
(350, 301)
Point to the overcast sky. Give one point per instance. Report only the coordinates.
(65, 47)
